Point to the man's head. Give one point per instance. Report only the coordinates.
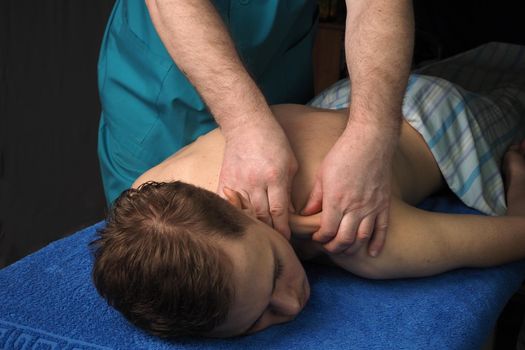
(176, 260)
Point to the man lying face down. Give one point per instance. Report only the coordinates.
(176, 259)
(180, 260)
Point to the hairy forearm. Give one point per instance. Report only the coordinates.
(379, 46)
(199, 43)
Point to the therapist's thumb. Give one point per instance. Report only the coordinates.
(315, 200)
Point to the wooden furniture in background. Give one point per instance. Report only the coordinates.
(328, 55)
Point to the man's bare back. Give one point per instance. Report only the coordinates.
(419, 243)
(311, 132)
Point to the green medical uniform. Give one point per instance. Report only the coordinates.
(149, 108)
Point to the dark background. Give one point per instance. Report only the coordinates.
(49, 177)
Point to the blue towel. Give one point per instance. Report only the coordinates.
(47, 301)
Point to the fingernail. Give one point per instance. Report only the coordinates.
(373, 253)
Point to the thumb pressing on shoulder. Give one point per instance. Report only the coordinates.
(315, 200)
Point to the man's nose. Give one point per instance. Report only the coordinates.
(285, 304)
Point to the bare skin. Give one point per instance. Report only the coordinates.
(419, 243)
(199, 43)
(352, 184)
(514, 170)
(378, 44)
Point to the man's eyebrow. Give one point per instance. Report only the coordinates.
(275, 270)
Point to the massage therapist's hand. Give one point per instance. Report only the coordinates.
(352, 188)
(259, 164)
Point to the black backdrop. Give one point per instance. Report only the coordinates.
(49, 176)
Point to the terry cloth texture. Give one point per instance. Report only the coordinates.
(48, 301)
(469, 109)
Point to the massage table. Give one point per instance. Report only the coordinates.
(48, 301)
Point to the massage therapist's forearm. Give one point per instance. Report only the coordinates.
(198, 41)
(379, 45)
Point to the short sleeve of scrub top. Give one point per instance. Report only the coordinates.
(149, 108)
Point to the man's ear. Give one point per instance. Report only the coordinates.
(233, 197)
(238, 201)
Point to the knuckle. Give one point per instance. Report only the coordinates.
(331, 249)
(346, 241)
(274, 175)
(381, 227)
(261, 212)
(363, 206)
(376, 245)
(363, 236)
(252, 179)
(324, 237)
(384, 208)
(338, 197)
(313, 194)
(266, 220)
(294, 166)
(329, 234)
(353, 206)
(277, 210)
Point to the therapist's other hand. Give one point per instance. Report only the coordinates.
(352, 188)
(259, 163)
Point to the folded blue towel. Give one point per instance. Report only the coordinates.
(47, 301)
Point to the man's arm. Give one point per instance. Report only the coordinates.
(379, 46)
(353, 184)
(199, 43)
(421, 243)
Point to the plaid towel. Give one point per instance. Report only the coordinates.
(469, 109)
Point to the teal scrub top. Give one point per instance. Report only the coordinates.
(149, 108)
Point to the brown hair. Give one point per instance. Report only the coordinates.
(156, 261)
